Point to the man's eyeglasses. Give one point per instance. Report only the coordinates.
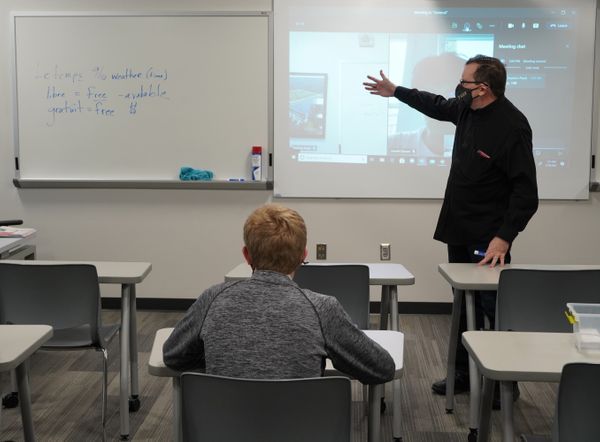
(463, 82)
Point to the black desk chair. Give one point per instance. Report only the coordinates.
(576, 415)
(65, 296)
(535, 300)
(218, 408)
(348, 283)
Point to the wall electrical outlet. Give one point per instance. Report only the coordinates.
(385, 252)
(321, 251)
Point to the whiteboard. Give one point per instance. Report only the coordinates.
(121, 97)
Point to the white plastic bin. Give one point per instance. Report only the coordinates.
(587, 325)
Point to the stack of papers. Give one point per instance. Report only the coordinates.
(15, 232)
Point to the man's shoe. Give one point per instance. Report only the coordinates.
(11, 400)
(496, 399)
(461, 384)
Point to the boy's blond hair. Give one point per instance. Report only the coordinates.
(275, 237)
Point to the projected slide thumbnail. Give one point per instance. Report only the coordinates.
(308, 96)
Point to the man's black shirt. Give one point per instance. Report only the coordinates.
(491, 189)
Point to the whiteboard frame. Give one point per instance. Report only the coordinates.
(141, 184)
(595, 170)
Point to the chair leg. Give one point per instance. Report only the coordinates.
(13, 380)
(104, 390)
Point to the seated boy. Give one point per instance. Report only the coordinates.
(266, 327)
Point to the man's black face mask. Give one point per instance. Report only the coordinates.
(464, 94)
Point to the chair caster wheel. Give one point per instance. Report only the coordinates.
(383, 406)
(472, 435)
(11, 400)
(449, 411)
(134, 404)
(398, 439)
(124, 436)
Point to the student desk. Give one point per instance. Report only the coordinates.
(17, 248)
(17, 343)
(466, 279)
(519, 356)
(392, 341)
(388, 275)
(128, 274)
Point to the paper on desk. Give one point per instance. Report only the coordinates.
(15, 232)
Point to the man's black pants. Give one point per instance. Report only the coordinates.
(485, 301)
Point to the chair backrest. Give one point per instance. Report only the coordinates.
(65, 296)
(348, 283)
(10, 222)
(579, 403)
(535, 300)
(222, 409)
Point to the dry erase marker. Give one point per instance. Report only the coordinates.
(478, 253)
(237, 180)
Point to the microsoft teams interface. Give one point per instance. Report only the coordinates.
(333, 120)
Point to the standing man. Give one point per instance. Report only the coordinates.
(491, 192)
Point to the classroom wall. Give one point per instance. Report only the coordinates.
(193, 237)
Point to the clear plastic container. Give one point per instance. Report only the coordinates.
(586, 326)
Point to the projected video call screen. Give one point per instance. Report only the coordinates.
(331, 47)
(308, 93)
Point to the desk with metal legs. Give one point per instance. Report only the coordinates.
(127, 274)
(518, 356)
(466, 280)
(17, 343)
(392, 341)
(15, 248)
